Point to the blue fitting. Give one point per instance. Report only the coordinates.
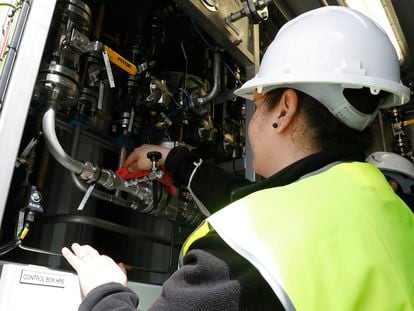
(80, 120)
(123, 141)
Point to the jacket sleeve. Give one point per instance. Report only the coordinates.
(110, 297)
(214, 277)
(202, 283)
(211, 184)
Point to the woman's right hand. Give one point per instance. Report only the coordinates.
(138, 160)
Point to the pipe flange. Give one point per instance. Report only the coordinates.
(78, 12)
(82, 5)
(88, 97)
(57, 84)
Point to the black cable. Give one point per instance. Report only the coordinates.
(7, 247)
(10, 246)
(200, 34)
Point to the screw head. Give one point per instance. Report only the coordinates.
(36, 197)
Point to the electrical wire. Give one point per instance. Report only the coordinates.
(233, 73)
(13, 6)
(7, 27)
(201, 35)
(7, 247)
(178, 90)
(187, 95)
(3, 51)
(9, 5)
(186, 63)
(10, 246)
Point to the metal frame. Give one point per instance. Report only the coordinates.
(251, 71)
(233, 38)
(20, 88)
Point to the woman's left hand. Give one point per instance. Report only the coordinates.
(93, 269)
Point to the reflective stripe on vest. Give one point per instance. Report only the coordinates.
(338, 240)
(200, 232)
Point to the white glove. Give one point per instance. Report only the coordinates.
(93, 269)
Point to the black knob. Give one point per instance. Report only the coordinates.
(154, 156)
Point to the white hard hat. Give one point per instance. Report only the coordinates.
(392, 162)
(324, 51)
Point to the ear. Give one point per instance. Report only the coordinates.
(285, 112)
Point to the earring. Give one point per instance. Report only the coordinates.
(275, 125)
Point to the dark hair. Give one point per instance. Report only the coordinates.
(328, 132)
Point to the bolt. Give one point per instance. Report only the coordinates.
(237, 42)
(36, 197)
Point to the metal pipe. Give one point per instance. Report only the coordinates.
(88, 171)
(75, 141)
(121, 161)
(96, 193)
(216, 80)
(382, 132)
(122, 156)
(103, 195)
(54, 146)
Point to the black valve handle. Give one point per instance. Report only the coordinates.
(154, 156)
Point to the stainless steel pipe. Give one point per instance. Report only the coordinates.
(95, 193)
(52, 142)
(216, 80)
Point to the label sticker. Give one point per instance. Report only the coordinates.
(42, 278)
(108, 70)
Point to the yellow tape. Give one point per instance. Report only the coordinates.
(24, 233)
(121, 62)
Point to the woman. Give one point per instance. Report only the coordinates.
(323, 230)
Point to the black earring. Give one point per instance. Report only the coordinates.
(275, 125)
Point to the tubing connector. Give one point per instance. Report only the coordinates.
(111, 181)
(90, 173)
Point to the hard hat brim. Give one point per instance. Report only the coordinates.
(264, 84)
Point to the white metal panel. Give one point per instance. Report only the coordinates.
(29, 287)
(20, 89)
(48, 289)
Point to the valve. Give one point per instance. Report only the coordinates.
(256, 11)
(154, 157)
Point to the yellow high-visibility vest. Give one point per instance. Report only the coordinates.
(337, 240)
